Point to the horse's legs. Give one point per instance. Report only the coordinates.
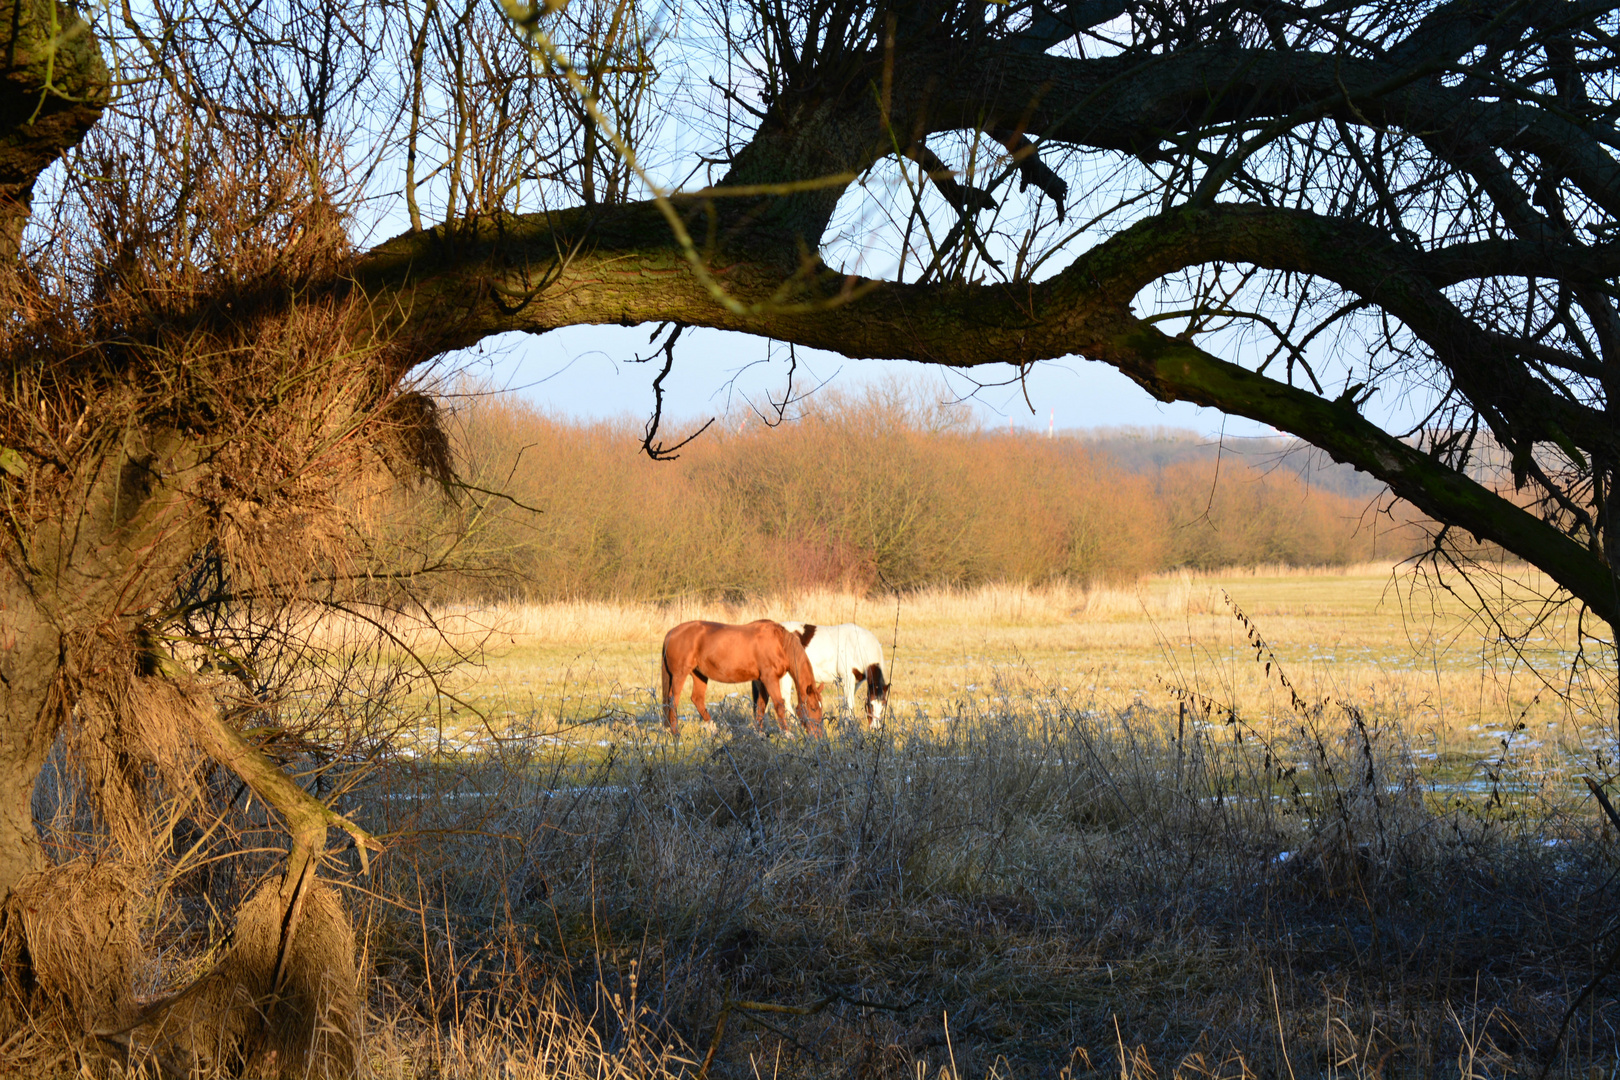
(700, 695)
(780, 704)
(770, 690)
(792, 699)
(760, 697)
(673, 678)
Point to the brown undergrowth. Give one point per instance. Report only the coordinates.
(1031, 889)
(1027, 886)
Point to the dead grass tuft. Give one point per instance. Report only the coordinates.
(411, 434)
(69, 945)
(280, 1003)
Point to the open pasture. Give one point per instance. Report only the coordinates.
(1385, 639)
(1043, 868)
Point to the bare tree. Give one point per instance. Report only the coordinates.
(1348, 200)
(1320, 216)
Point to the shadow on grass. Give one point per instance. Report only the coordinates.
(1027, 888)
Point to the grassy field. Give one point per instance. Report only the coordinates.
(1389, 641)
(1044, 868)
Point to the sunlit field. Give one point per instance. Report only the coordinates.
(1254, 824)
(1386, 639)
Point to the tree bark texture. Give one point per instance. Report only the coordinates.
(53, 86)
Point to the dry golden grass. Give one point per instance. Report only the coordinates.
(1380, 636)
(1043, 868)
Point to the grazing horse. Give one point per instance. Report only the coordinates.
(761, 652)
(851, 655)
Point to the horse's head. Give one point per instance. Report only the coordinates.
(810, 700)
(877, 694)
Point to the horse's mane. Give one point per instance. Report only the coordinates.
(807, 633)
(793, 645)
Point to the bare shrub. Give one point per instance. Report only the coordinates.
(877, 492)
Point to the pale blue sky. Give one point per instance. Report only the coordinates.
(587, 372)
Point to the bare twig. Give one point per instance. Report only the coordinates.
(658, 451)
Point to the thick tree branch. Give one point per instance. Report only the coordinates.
(1032, 170)
(1132, 103)
(1083, 311)
(306, 817)
(628, 277)
(1124, 102)
(1566, 261)
(963, 197)
(1053, 24)
(1366, 262)
(1175, 370)
(53, 86)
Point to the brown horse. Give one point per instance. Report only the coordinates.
(726, 653)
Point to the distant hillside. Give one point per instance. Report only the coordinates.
(1151, 451)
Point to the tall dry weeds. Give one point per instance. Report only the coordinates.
(1028, 887)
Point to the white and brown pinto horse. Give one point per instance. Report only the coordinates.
(848, 655)
(760, 652)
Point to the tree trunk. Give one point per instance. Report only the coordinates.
(47, 47)
(29, 658)
(75, 590)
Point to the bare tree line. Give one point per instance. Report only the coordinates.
(872, 493)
